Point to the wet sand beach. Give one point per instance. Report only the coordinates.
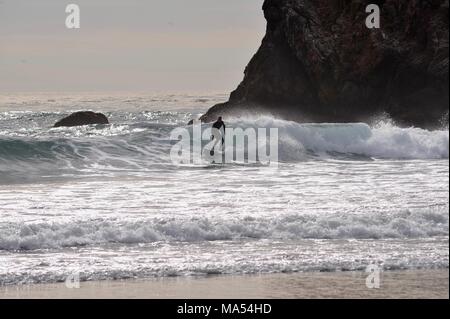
(394, 284)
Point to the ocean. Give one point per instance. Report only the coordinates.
(106, 201)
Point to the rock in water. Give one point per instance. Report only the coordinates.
(319, 62)
(82, 118)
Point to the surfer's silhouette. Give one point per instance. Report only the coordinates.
(218, 125)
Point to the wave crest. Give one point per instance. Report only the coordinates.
(406, 224)
(384, 141)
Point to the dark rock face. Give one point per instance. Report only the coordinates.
(82, 118)
(319, 62)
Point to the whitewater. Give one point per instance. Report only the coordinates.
(106, 200)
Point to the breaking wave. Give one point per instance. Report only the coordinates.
(384, 141)
(405, 224)
(142, 140)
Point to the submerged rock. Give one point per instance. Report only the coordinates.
(319, 62)
(82, 118)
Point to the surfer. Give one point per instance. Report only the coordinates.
(219, 125)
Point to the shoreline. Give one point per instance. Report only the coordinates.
(405, 284)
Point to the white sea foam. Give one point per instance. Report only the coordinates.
(18, 236)
(220, 257)
(383, 141)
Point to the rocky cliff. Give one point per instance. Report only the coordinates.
(319, 62)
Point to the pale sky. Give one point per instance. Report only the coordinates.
(128, 45)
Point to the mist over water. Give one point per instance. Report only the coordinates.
(107, 200)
